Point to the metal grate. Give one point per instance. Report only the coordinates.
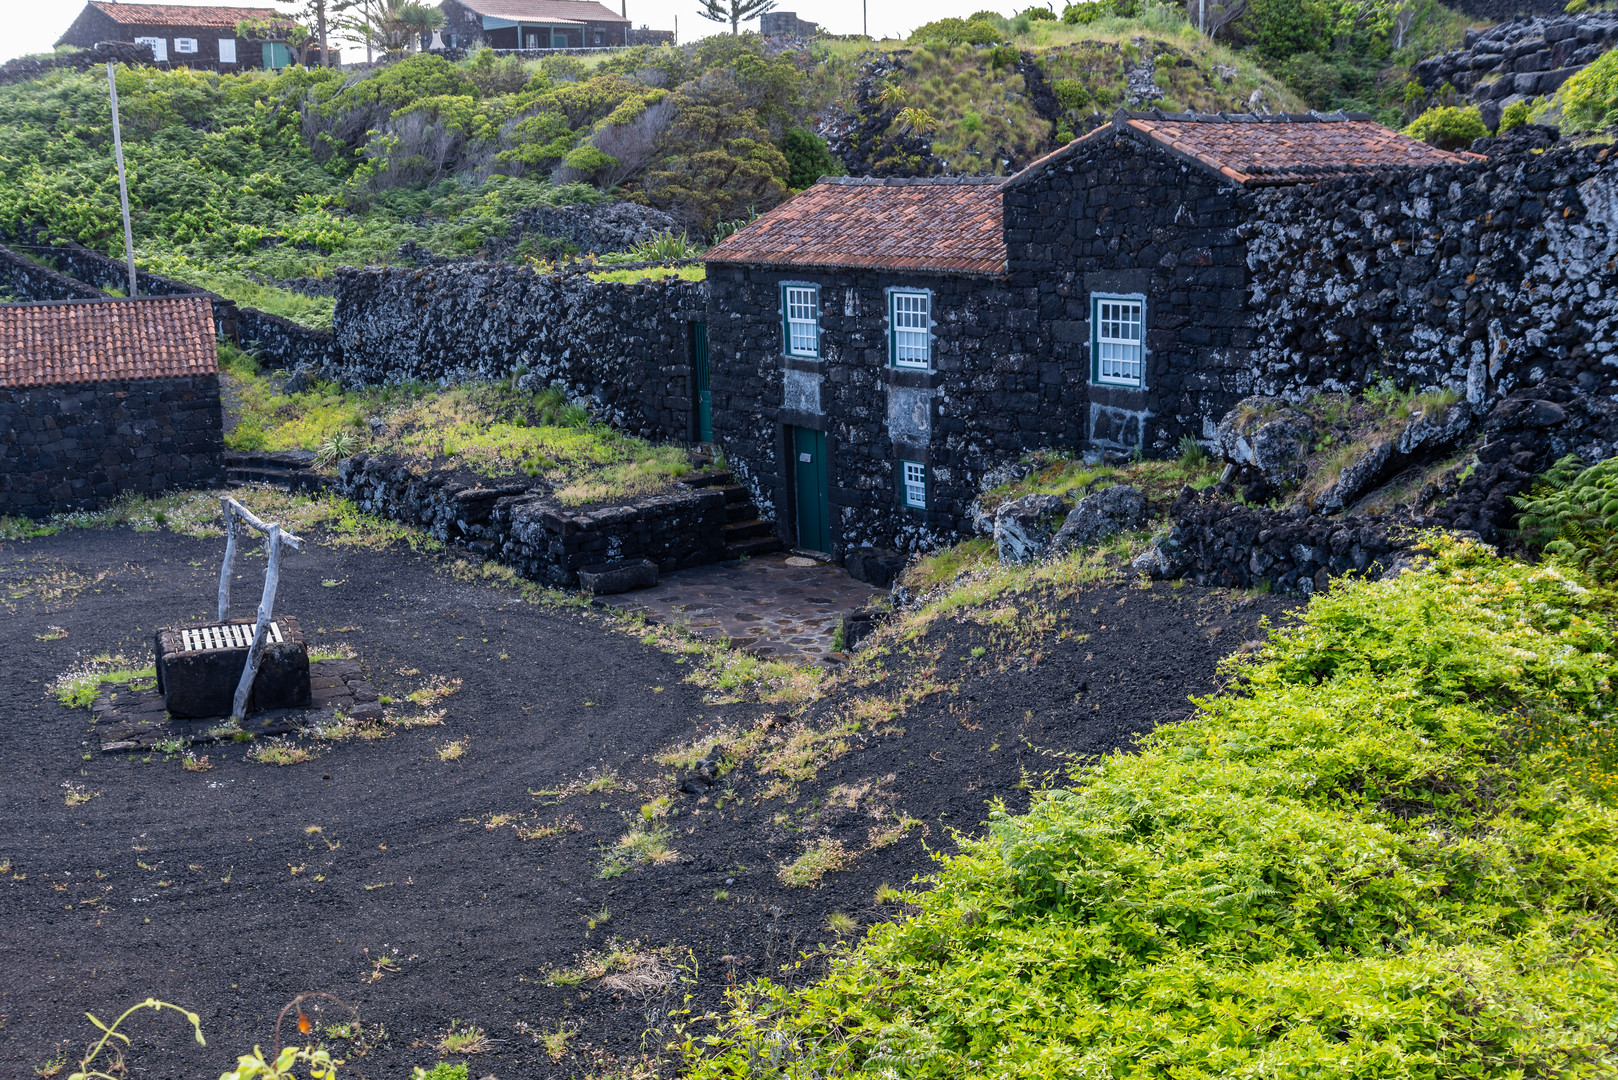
(225, 636)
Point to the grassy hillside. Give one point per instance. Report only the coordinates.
(239, 182)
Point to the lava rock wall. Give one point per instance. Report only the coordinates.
(624, 348)
(529, 530)
(1520, 59)
(993, 394)
(80, 447)
(1479, 278)
(24, 279)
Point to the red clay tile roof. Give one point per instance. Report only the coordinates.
(954, 226)
(1258, 151)
(545, 11)
(86, 341)
(181, 14)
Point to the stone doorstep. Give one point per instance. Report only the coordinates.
(135, 721)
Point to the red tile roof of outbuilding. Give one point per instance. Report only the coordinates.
(88, 341)
(951, 225)
(1259, 151)
(181, 14)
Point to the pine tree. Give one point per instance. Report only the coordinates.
(734, 11)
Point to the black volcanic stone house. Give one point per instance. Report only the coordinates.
(533, 24)
(867, 360)
(99, 398)
(1129, 237)
(875, 347)
(181, 35)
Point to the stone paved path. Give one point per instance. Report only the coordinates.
(774, 605)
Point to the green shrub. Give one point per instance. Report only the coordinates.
(1278, 29)
(808, 158)
(1450, 127)
(1038, 14)
(956, 32)
(1381, 853)
(1572, 513)
(1590, 98)
(1071, 94)
(1517, 114)
(1088, 11)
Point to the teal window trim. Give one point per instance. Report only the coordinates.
(914, 483)
(909, 339)
(794, 302)
(1118, 326)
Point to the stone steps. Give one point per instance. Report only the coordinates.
(758, 545)
(747, 530)
(293, 471)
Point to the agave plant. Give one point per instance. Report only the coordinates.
(335, 447)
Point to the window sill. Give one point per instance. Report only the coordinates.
(914, 378)
(812, 364)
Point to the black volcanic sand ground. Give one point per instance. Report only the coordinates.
(179, 884)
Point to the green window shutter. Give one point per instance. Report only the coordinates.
(786, 325)
(1095, 340)
(893, 333)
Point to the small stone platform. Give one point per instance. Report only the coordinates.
(775, 606)
(130, 717)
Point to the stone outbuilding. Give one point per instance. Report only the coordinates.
(100, 398)
(875, 347)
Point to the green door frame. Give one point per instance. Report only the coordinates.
(811, 489)
(699, 369)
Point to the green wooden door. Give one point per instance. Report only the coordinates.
(812, 488)
(699, 362)
(276, 56)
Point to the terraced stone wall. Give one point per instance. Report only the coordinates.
(1480, 278)
(626, 348)
(525, 528)
(79, 447)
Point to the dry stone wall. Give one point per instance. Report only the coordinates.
(1479, 278)
(1520, 59)
(624, 348)
(523, 526)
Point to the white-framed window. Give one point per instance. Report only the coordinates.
(160, 47)
(801, 303)
(1118, 339)
(910, 334)
(227, 50)
(913, 485)
(185, 44)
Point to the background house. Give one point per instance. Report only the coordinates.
(199, 37)
(533, 24)
(99, 398)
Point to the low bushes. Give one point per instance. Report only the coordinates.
(1385, 851)
(1449, 127)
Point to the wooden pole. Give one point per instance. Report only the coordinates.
(123, 184)
(230, 557)
(255, 653)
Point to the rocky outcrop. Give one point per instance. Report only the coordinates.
(1266, 441)
(1424, 438)
(1519, 60)
(1096, 517)
(1023, 527)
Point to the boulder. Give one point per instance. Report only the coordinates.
(1098, 516)
(1267, 437)
(862, 624)
(879, 567)
(1023, 527)
(1166, 558)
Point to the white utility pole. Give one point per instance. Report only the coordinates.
(123, 184)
